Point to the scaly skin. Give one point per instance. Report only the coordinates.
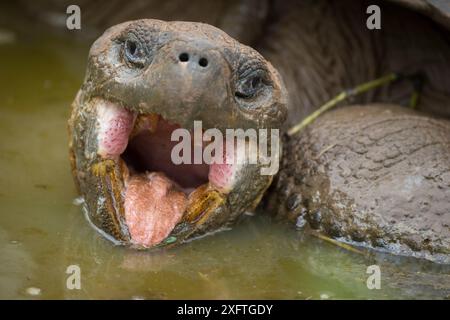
(376, 175)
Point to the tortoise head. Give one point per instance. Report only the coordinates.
(158, 127)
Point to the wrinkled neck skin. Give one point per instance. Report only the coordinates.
(343, 53)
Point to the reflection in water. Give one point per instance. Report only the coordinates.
(42, 232)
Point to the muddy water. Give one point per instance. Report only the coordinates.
(42, 232)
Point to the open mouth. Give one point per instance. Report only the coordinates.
(150, 150)
(157, 190)
(158, 193)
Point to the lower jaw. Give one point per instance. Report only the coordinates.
(154, 206)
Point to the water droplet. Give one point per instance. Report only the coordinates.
(300, 222)
(324, 296)
(33, 291)
(78, 201)
(170, 240)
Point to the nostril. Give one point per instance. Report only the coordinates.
(203, 62)
(183, 57)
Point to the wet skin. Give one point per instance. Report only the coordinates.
(375, 176)
(144, 79)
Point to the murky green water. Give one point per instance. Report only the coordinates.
(42, 232)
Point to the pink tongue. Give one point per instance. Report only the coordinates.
(153, 206)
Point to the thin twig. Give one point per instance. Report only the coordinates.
(337, 243)
(362, 88)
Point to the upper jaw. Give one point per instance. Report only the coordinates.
(183, 94)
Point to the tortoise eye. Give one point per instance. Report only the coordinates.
(134, 53)
(249, 86)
